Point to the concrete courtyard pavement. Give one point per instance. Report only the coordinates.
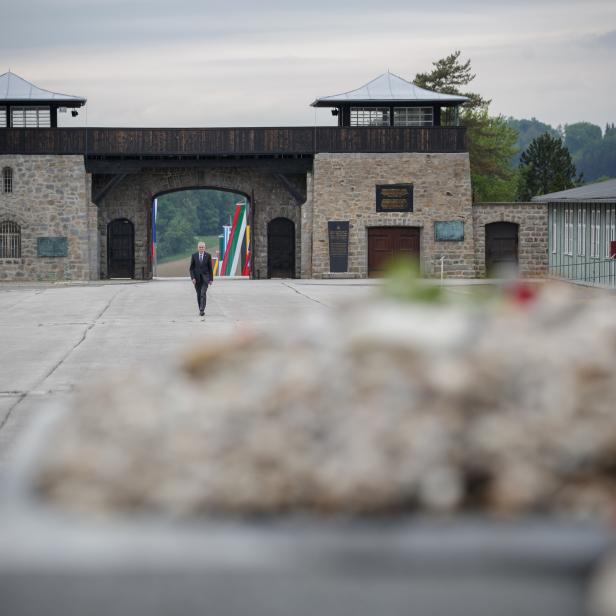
(57, 337)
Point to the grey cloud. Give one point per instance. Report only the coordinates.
(602, 41)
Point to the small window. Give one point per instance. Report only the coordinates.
(7, 180)
(2, 117)
(595, 231)
(10, 240)
(369, 116)
(450, 116)
(413, 116)
(554, 232)
(568, 232)
(30, 117)
(581, 233)
(610, 230)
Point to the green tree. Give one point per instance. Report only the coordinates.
(491, 142)
(448, 76)
(545, 167)
(580, 136)
(527, 130)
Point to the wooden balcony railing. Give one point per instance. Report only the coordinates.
(161, 142)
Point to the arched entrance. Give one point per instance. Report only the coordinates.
(220, 217)
(281, 248)
(501, 248)
(121, 249)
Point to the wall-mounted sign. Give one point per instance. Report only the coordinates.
(449, 231)
(394, 197)
(338, 231)
(52, 247)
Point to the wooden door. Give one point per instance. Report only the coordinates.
(385, 243)
(281, 248)
(501, 248)
(120, 249)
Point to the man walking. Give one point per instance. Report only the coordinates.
(201, 274)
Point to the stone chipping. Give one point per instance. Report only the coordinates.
(388, 407)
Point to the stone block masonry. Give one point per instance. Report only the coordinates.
(532, 221)
(132, 199)
(50, 197)
(344, 188)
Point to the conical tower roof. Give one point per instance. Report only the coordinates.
(389, 88)
(16, 89)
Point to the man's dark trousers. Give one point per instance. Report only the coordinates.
(201, 271)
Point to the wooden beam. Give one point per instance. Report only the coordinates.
(291, 189)
(112, 183)
(273, 165)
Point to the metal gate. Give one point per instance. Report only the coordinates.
(281, 248)
(120, 249)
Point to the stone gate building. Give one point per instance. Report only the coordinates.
(392, 178)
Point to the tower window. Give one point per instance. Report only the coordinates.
(7, 180)
(10, 240)
(30, 117)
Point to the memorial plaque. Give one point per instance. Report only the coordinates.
(52, 247)
(338, 245)
(449, 231)
(394, 198)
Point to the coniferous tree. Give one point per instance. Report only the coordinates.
(545, 167)
(491, 142)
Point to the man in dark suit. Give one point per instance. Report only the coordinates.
(201, 274)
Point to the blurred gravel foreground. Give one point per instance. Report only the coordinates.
(483, 412)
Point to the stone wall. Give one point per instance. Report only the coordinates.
(50, 198)
(344, 188)
(132, 199)
(532, 219)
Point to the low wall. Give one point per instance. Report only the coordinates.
(532, 219)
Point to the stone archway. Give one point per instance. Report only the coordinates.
(132, 198)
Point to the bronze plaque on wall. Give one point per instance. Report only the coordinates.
(449, 231)
(394, 197)
(338, 245)
(51, 247)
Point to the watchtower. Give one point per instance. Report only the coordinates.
(24, 105)
(389, 100)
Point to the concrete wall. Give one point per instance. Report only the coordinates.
(50, 198)
(344, 188)
(132, 199)
(532, 219)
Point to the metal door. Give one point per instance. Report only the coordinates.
(501, 248)
(120, 249)
(281, 248)
(385, 243)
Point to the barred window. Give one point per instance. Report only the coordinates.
(369, 116)
(10, 240)
(413, 116)
(7, 180)
(30, 117)
(2, 117)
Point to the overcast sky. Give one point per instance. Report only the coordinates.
(260, 63)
